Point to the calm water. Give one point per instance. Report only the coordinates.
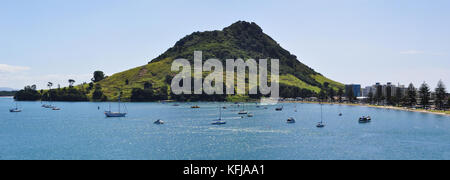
(80, 131)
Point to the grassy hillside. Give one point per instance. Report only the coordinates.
(240, 40)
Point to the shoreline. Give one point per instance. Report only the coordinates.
(436, 112)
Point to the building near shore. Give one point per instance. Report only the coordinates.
(386, 90)
(355, 88)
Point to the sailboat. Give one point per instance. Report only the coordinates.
(16, 109)
(243, 110)
(219, 121)
(279, 108)
(320, 124)
(115, 114)
(159, 122)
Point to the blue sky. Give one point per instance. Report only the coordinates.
(358, 41)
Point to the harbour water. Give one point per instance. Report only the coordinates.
(81, 131)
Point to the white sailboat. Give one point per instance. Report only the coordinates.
(320, 124)
(243, 111)
(115, 114)
(16, 109)
(219, 121)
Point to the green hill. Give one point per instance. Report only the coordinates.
(240, 40)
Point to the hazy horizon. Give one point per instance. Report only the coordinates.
(360, 42)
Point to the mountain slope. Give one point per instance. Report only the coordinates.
(240, 40)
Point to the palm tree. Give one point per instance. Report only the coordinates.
(71, 82)
(49, 85)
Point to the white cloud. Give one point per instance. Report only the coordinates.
(412, 52)
(12, 69)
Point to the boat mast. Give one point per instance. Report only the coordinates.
(321, 113)
(220, 112)
(119, 102)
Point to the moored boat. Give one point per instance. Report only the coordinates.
(290, 120)
(159, 122)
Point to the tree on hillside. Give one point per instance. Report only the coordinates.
(98, 95)
(27, 94)
(148, 85)
(168, 79)
(98, 76)
(440, 95)
(49, 85)
(322, 95)
(448, 103)
(331, 94)
(411, 95)
(71, 82)
(142, 95)
(340, 94)
(425, 93)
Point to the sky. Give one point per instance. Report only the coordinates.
(349, 41)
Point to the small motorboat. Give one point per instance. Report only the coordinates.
(364, 119)
(14, 110)
(242, 112)
(224, 107)
(249, 115)
(340, 114)
(47, 106)
(56, 109)
(320, 125)
(195, 107)
(291, 120)
(159, 122)
(176, 105)
(279, 109)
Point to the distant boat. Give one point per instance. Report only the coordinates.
(320, 124)
(56, 109)
(243, 111)
(47, 106)
(16, 109)
(195, 107)
(176, 105)
(279, 108)
(159, 122)
(291, 120)
(365, 119)
(249, 115)
(115, 114)
(219, 121)
(340, 114)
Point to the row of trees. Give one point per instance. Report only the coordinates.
(412, 96)
(71, 93)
